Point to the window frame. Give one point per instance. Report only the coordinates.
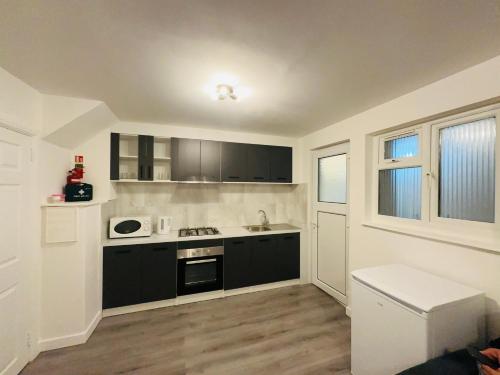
(384, 163)
(428, 159)
(417, 161)
(435, 170)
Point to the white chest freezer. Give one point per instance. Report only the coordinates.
(401, 317)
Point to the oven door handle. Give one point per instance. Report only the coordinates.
(201, 261)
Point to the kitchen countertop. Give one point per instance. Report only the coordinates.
(225, 232)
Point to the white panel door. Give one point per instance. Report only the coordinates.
(331, 251)
(330, 220)
(13, 302)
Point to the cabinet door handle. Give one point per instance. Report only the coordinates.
(140, 172)
(264, 240)
(238, 242)
(122, 251)
(258, 178)
(150, 175)
(282, 178)
(234, 177)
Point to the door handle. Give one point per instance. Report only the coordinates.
(201, 261)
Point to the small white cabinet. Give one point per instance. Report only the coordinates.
(402, 317)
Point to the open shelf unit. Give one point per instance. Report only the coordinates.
(129, 156)
(161, 159)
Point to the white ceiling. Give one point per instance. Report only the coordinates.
(309, 63)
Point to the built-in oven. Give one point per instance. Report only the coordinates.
(200, 266)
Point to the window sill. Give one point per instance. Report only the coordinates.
(491, 246)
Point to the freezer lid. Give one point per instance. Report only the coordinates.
(420, 289)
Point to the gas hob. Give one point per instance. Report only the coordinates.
(200, 231)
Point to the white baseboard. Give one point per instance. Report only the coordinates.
(260, 288)
(196, 298)
(136, 308)
(70, 340)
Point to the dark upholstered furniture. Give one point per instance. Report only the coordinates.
(455, 363)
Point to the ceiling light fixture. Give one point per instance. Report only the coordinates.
(224, 86)
(225, 91)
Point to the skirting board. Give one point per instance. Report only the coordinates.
(70, 340)
(196, 298)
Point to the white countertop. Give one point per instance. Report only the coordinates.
(225, 232)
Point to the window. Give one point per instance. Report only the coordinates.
(400, 192)
(400, 175)
(405, 146)
(441, 173)
(332, 179)
(467, 171)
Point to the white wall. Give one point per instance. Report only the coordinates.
(96, 155)
(369, 247)
(20, 104)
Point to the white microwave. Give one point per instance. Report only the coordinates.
(137, 226)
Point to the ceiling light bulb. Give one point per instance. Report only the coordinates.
(225, 91)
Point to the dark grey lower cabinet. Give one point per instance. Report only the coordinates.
(237, 258)
(288, 256)
(159, 272)
(121, 282)
(138, 274)
(265, 262)
(261, 259)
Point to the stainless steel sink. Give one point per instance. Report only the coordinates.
(257, 228)
(269, 227)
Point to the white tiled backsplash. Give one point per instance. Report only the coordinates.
(219, 205)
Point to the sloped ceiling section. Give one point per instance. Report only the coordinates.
(70, 122)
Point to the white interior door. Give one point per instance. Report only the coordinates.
(330, 209)
(14, 150)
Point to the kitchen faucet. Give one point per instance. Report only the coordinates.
(263, 217)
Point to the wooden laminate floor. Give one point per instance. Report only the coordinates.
(293, 330)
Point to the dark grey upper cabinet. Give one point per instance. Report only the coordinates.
(114, 169)
(186, 155)
(201, 160)
(258, 163)
(210, 161)
(280, 166)
(195, 160)
(234, 161)
(146, 152)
